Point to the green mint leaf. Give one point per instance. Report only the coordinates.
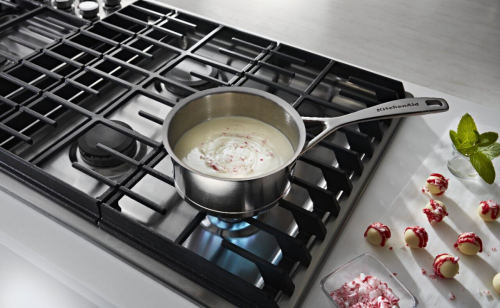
(480, 148)
(454, 138)
(466, 129)
(491, 151)
(487, 139)
(466, 148)
(483, 166)
(478, 136)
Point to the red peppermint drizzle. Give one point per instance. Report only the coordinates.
(469, 237)
(422, 235)
(384, 231)
(439, 181)
(432, 216)
(440, 259)
(490, 205)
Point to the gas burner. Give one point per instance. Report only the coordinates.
(181, 74)
(312, 110)
(228, 224)
(113, 139)
(111, 9)
(232, 228)
(99, 160)
(112, 5)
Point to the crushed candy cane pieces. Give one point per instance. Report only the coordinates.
(365, 291)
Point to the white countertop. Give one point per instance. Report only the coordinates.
(412, 144)
(455, 51)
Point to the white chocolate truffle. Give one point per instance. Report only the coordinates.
(468, 249)
(446, 266)
(374, 237)
(469, 243)
(496, 283)
(378, 234)
(435, 211)
(436, 184)
(489, 210)
(416, 237)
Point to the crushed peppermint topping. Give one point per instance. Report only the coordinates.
(216, 154)
(423, 271)
(488, 294)
(365, 292)
(257, 147)
(451, 296)
(437, 213)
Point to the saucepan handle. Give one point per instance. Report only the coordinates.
(393, 109)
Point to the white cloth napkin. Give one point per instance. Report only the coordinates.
(461, 199)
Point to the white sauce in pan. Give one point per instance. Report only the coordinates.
(234, 147)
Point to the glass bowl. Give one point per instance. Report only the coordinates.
(367, 264)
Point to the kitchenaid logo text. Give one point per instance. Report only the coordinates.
(397, 107)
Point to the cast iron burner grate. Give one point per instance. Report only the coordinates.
(93, 73)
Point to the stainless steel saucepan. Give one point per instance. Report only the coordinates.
(246, 197)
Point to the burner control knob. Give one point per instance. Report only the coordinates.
(112, 3)
(64, 4)
(89, 9)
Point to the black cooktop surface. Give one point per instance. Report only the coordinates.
(82, 104)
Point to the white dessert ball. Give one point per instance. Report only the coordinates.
(378, 234)
(416, 237)
(436, 184)
(435, 210)
(496, 283)
(489, 210)
(374, 237)
(446, 266)
(469, 243)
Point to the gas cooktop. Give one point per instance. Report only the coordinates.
(85, 89)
